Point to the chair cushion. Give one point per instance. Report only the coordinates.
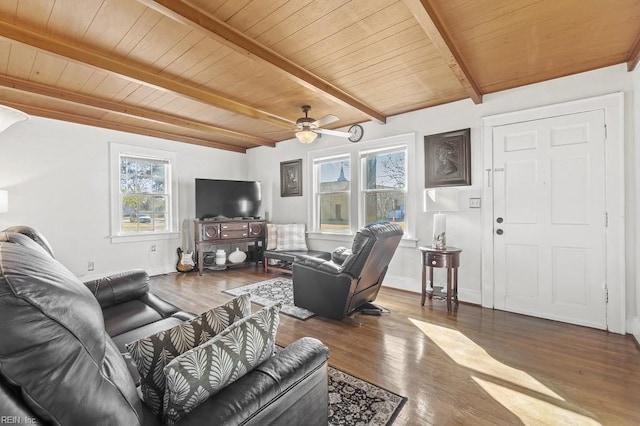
(152, 353)
(65, 365)
(201, 372)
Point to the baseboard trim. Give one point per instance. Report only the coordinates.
(633, 328)
(403, 283)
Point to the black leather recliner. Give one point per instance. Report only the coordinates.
(334, 288)
(61, 342)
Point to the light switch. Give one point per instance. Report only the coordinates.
(474, 203)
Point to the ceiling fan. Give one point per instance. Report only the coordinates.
(309, 128)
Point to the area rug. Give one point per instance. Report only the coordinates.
(353, 401)
(272, 291)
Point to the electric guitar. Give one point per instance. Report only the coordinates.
(185, 261)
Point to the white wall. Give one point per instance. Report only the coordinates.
(465, 227)
(57, 175)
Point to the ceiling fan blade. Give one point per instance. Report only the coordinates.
(333, 133)
(327, 119)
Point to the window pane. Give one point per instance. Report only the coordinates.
(385, 171)
(143, 183)
(334, 212)
(385, 206)
(334, 176)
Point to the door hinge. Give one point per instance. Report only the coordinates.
(606, 293)
(606, 219)
(605, 132)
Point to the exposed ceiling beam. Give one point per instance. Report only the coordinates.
(133, 71)
(80, 119)
(634, 55)
(428, 18)
(126, 110)
(224, 33)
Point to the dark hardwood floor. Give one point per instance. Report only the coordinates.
(475, 366)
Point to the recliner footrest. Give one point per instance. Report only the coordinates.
(288, 258)
(291, 256)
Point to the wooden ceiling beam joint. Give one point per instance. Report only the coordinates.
(428, 18)
(224, 33)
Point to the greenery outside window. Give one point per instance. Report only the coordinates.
(143, 192)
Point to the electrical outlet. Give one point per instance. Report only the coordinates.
(153, 247)
(90, 266)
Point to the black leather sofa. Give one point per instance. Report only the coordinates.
(334, 288)
(61, 345)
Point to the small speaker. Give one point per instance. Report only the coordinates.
(209, 259)
(210, 231)
(256, 229)
(255, 253)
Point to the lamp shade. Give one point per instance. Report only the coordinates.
(4, 201)
(441, 200)
(306, 136)
(10, 116)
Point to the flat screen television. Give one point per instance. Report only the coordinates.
(216, 198)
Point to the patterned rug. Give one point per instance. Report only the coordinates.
(270, 291)
(353, 401)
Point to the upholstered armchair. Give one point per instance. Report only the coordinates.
(334, 288)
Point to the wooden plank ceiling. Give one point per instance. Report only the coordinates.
(234, 74)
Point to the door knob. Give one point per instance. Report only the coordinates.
(499, 231)
(499, 220)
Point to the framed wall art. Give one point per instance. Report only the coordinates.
(291, 178)
(447, 159)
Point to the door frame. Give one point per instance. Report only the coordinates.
(613, 106)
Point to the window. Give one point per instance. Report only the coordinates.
(333, 194)
(143, 195)
(379, 176)
(384, 185)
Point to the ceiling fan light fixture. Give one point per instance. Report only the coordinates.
(306, 136)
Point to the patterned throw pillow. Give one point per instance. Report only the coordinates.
(201, 372)
(151, 354)
(272, 236)
(291, 237)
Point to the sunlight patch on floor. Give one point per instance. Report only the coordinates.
(531, 410)
(533, 405)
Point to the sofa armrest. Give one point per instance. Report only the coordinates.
(119, 288)
(340, 254)
(289, 388)
(326, 266)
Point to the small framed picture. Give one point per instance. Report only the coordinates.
(447, 159)
(291, 178)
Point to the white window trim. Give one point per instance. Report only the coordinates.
(355, 216)
(115, 151)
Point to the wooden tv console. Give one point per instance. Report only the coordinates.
(209, 233)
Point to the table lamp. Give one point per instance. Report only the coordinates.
(440, 200)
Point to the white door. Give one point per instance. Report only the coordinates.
(550, 219)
